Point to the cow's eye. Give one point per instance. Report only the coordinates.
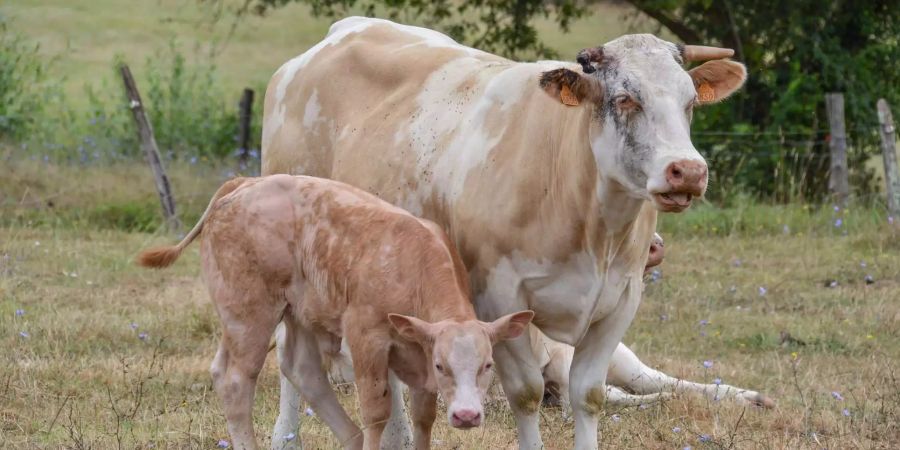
(488, 366)
(439, 368)
(626, 104)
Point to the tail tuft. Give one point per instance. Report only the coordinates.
(159, 257)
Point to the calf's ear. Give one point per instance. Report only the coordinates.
(571, 88)
(509, 326)
(411, 328)
(716, 80)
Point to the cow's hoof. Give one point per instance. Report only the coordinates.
(762, 401)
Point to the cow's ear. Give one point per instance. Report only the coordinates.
(716, 80)
(509, 326)
(411, 328)
(570, 88)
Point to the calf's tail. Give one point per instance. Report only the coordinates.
(159, 257)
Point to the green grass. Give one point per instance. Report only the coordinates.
(84, 379)
(83, 37)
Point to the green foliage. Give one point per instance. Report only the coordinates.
(21, 78)
(131, 216)
(191, 115)
(501, 26)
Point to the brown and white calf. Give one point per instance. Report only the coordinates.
(330, 261)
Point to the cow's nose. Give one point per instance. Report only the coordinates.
(466, 418)
(687, 177)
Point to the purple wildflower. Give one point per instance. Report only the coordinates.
(837, 208)
(24, 334)
(616, 418)
(837, 396)
(869, 280)
(223, 444)
(20, 312)
(663, 317)
(708, 364)
(786, 229)
(704, 322)
(762, 291)
(133, 325)
(732, 289)
(845, 412)
(705, 438)
(838, 222)
(833, 284)
(736, 263)
(676, 429)
(717, 381)
(655, 275)
(143, 336)
(890, 220)
(309, 411)
(862, 264)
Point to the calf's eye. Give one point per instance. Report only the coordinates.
(488, 366)
(439, 368)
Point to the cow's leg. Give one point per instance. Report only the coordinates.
(590, 363)
(618, 397)
(370, 367)
(240, 358)
(397, 434)
(628, 371)
(423, 406)
(302, 364)
(288, 422)
(523, 384)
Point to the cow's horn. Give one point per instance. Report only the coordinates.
(704, 53)
(589, 56)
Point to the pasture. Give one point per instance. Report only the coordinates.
(102, 354)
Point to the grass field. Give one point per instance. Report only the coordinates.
(99, 353)
(83, 37)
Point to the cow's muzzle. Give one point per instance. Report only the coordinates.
(686, 179)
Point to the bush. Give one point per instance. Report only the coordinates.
(21, 82)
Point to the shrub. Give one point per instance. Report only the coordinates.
(21, 80)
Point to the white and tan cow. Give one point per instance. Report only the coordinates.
(330, 261)
(548, 176)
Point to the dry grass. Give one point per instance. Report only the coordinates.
(84, 378)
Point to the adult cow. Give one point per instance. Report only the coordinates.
(548, 176)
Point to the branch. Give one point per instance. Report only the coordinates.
(681, 30)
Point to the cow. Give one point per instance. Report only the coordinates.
(327, 261)
(547, 175)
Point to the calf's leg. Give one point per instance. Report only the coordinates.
(370, 367)
(288, 422)
(242, 352)
(301, 363)
(423, 406)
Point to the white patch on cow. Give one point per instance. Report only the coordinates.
(568, 291)
(312, 110)
(446, 114)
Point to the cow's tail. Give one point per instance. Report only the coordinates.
(159, 257)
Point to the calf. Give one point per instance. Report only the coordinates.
(330, 261)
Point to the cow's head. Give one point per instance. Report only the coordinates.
(461, 358)
(642, 101)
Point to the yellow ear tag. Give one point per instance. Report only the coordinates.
(706, 93)
(567, 96)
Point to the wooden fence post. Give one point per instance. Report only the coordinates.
(838, 183)
(148, 144)
(244, 117)
(889, 152)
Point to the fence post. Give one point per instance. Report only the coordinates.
(148, 144)
(889, 152)
(838, 183)
(244, 117)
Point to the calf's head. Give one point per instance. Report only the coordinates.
(642, 101)
(460, 356)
